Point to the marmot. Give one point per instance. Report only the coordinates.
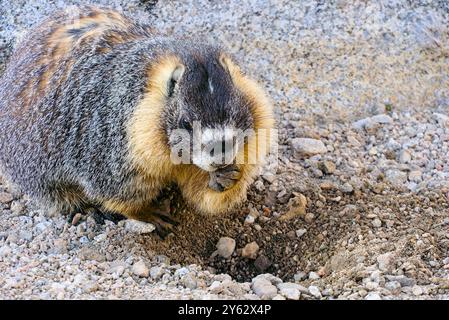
(89, 102)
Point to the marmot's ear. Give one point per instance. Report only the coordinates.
(175, 77)
(229, 65)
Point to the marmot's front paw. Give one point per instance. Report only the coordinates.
(224, 178)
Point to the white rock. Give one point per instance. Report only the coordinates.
(314, 291)
(299, 276)
(140, 269)
(372, 122)
(441, 118)
(415, 176)
(25, 235)
(42, 226)
(300, 232)
(17, 207)
(264, 289)
(382, 119)
(385, 261)
(156, 272)
(289, 290)
(225, 247)
(377, 223)
(138, 227)
(304, 147)
(101, 237)
(268, 276)
(5, 251)
(396, 177)
(405, 156)
(417, 290)
(181, 272)
(373, 296)
(313, 275)
(249, 219)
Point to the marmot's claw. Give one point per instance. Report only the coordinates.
(162, 220)
(224, 178)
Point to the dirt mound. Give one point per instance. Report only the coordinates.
(341, 233)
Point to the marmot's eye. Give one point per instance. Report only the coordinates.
(185, 124)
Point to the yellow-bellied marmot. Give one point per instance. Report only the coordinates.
(89, 105)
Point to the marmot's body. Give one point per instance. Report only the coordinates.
(87, 104)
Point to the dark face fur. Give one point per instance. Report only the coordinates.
(205, 112)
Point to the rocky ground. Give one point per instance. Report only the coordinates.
(354, 206)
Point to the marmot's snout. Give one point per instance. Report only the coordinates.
(216, 148)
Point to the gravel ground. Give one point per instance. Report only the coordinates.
(358, 204)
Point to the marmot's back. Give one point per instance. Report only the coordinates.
(56, 44)
(68, 89)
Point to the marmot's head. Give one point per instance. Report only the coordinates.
(200, 105)
(206, 114)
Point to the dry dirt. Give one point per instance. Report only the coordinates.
(376, 225)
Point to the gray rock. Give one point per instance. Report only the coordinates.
(314, 276)
(415, 176)
(189, 281)
(42, 226)
(25, 235)
(262, 263)
(304, 147)
(289, 290)
(396, 177)
(181, 272)
(393, 286)
(156, 272)
(300, 276)
(403, 280)
(372, 122)
(346, 188)
(117, 268)
(264, 289)
(441, 118)
(101, 237)
(386, 261)
(268, 276)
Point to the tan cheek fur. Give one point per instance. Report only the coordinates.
(149, 150)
